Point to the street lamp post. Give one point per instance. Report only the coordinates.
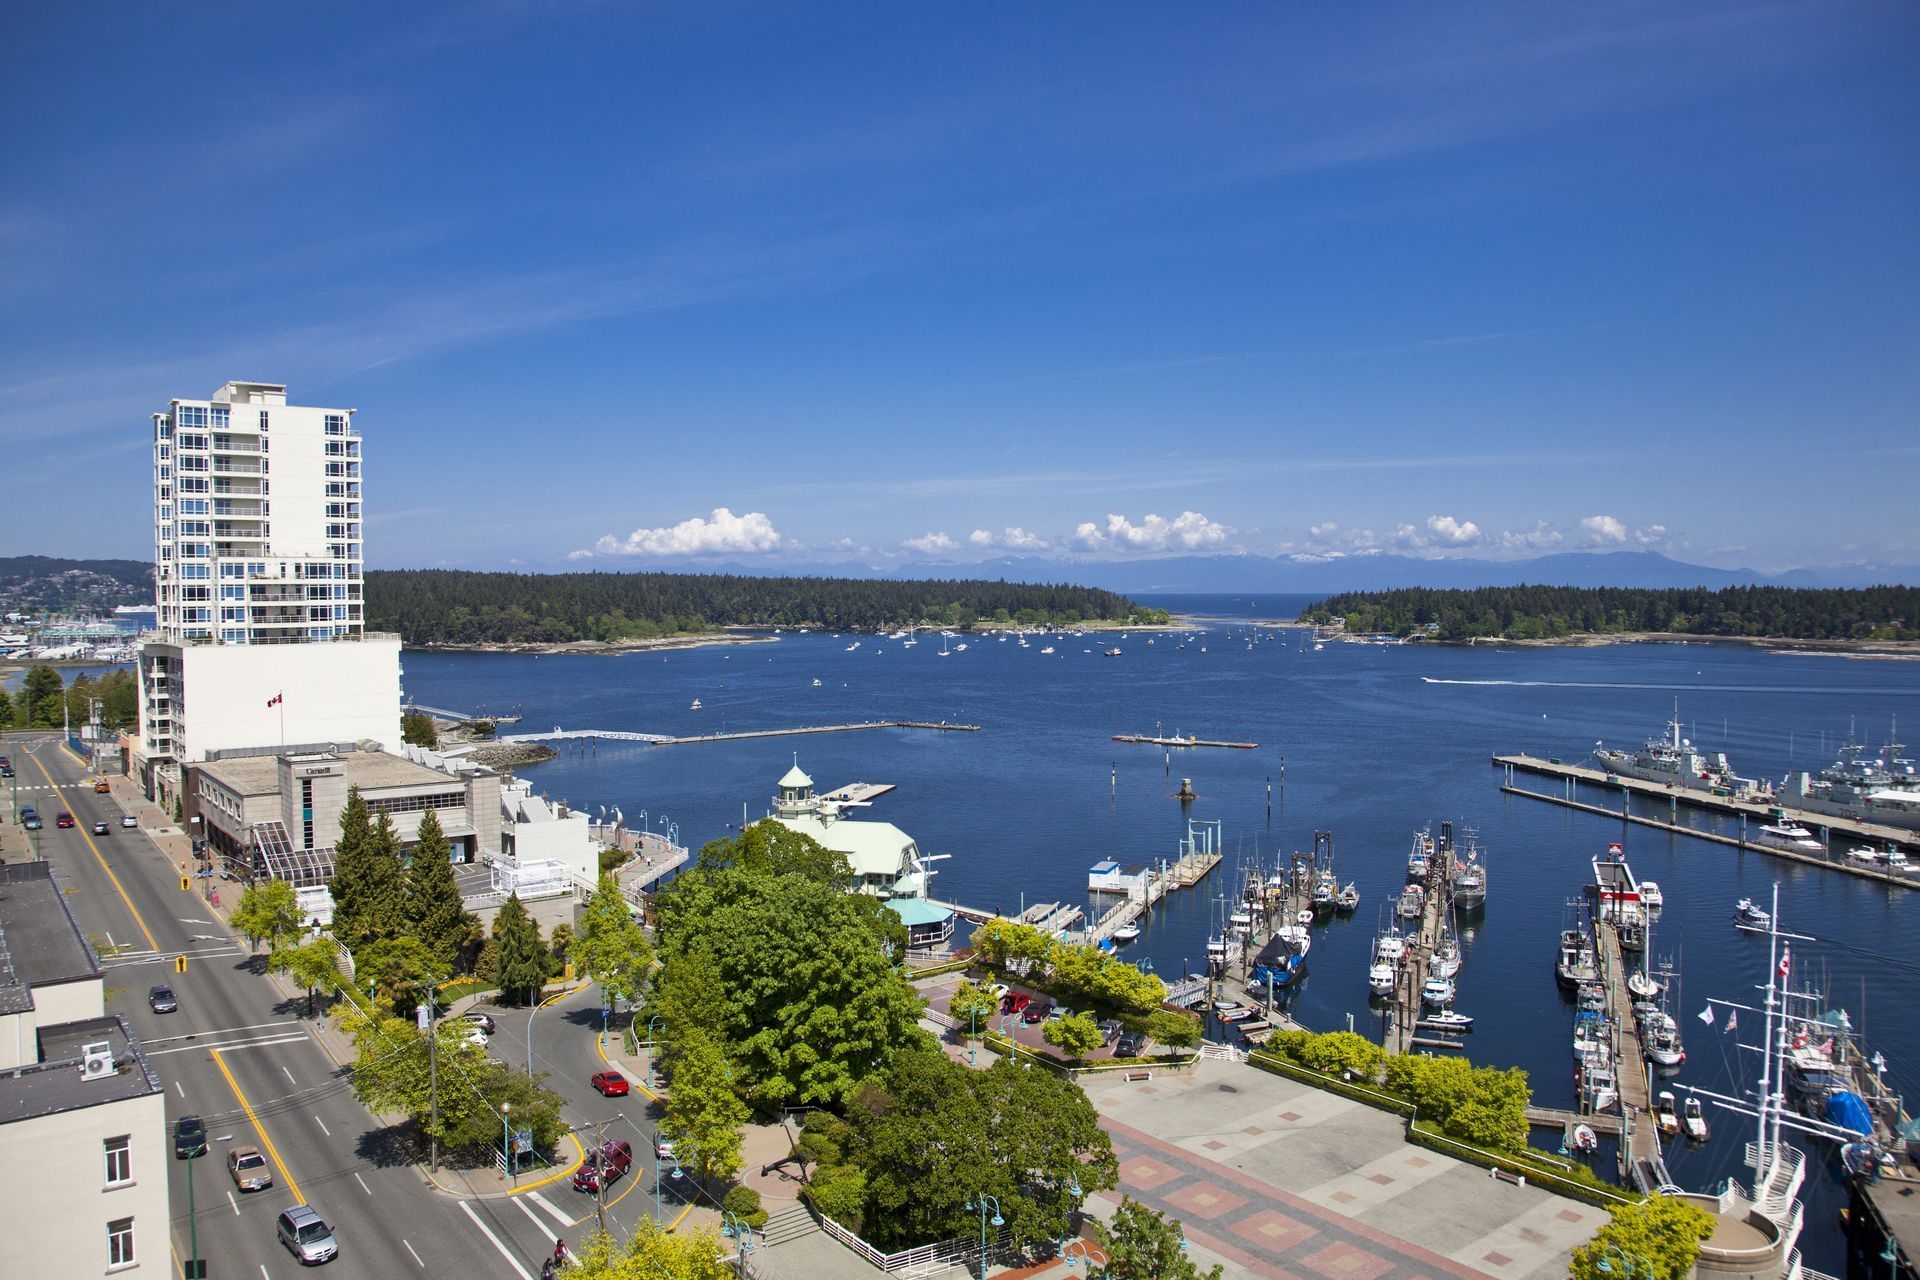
(736, 1229)
(193, 1225)
(973, 1048)
(653, 1039)
(506, 1142)
(530, 1017)
(982, 1202)
(656, 1177)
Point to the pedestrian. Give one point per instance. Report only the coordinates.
(546, 1270)
(559, 1252)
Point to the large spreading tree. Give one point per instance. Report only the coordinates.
(609, 946)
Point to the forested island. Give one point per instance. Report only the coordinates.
(1549, 613)
(455, 607)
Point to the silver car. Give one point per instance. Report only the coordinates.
(306, 1235)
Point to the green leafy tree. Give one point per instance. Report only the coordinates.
(808, 1002)
(653, 1254)
(313, 965)
(1343, 1051)
(42, 694)
(972, 1005)
(932, 1133)
(417, 730)
(766, 848)
(267, 911)
(523, 958)
(1076, 1035)
(1173, 1030)
(1142, 1244)
(839, 1192)
(392, 1072)
(1661, 1235)
(704, 1114)
(610, 947)
(1481, 1105)
(6, 709)
(397, 969)
(434, 913)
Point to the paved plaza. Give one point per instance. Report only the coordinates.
(1273, 1178)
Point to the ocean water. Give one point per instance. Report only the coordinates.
(1370, 743)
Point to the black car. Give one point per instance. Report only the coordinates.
(189, 1137)
(31, 822)
(161, 999)
(1129, 1045)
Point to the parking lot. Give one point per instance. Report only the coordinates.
(1014, 1024)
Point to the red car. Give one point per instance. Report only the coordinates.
(1015, 1001)
(1036, 1013)
(603, 1166)
(611, 1084)
(64, 820)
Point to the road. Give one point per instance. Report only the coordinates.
(242, 1055)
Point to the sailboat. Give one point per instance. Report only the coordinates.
(944, 651)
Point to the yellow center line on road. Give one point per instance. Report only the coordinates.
(118, 887)
(259, 1129)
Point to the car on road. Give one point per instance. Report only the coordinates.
(6, 771)
(1129, 1045)
(161, 999)
(64, 820)
(31, 821)
(248, 1169)
(306, 1235)
(610, 1084)
(128, 820)
(101, 828)
(189, 1137)
(100, 787)
(663, 1147)
(480, 1020)
(602, 1167)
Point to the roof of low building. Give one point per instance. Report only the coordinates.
(43, 942)
(54, 1083)
(871, 848)
(367, 770)
(914, 911)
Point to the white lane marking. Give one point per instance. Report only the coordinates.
(493, 1239)
(363, 1186)
(222, 1031)
(534, 1218)
(234, 1203)
(112, 943)
(263, 1272)
(231, 1044)
(177, 1089)
(416, 1257)
(289, 1075)
(192, 920)
(323, 1126)
(547, 1204)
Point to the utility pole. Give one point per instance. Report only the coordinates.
(600, 1183)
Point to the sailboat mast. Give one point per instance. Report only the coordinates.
(1763, 1152)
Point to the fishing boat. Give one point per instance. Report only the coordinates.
(1349, 900)
(1413, 901)
(1660, 1039)
(1589, 1034)
(1590, 995)
(1112, 653)
(1388, 951)
(1326, 893)
(1216, 955)
(1446, 957)
(1470, 880)
(1666, 1114)
(1437, 992)
(1420, 858)
(1576, 963)
(1693, 1122)
(1382, 978)
(1748, 914)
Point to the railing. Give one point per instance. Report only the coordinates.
(921, 1260)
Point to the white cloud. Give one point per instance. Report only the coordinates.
(1453, 533)
(1651, 535)
(1603, 531)
(931, 544)
(721, 533)
(980, 538)
(1020, 540)
(1542, 537)
(1189, 531)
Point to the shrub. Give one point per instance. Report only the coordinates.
(838, 1192)
(1342, 1051)
(744, 1204)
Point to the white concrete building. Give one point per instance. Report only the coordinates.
(885, 860)
(81, 1111)
(259, 575)
(534, 830)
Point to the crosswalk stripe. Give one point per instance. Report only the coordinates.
(547, 1204)
(487, 1231)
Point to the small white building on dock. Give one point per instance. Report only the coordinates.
(885, 860)
(1108, 876)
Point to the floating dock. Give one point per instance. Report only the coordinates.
(1182, 742)
(1403, 1025)
(1574, 775)
(664, 740)
(858, 793)
(1641, 1147)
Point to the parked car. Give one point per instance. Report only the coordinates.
(28, 811)
(100, 828)
(249, 1169)
(306, 1235)
(189, 1137)
(64, 820)
(1109, 1029)
(663, 1146)
(611, 1084)
(999, 990)
(128, 820)
(1015, 1002)
(602, 1167)
(161, 999)
(1129, 1045)
(477, 1037)
(483, 1021)
(1036, 1013)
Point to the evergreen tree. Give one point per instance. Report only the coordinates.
(6, 710)
(40, 695)
(434, 913)
(368, 889)
(523, 958)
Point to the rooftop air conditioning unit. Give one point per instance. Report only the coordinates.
(96, 1060)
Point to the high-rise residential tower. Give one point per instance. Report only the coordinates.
(258, 582)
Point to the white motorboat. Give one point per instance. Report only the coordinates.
(695, 706)
(1748, 914)
(1047, 649)
(816, 682)
(1349, 899)
(1447, 1020)
(1789, 835)
(1381, 979)
(1650, 895)
(1437, 992)
(1694, 1122)
(1126, 932)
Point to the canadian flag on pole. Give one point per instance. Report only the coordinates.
(1786, 959)
(274, 701)
(1613, 848)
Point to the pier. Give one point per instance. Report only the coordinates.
(459, 717)
(857, 793)
(1575, 774)
(1403, 1023)
(1198, 858)
(666, 740)
(1640, 1148)
(1182, 742)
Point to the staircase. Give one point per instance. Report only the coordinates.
(787, 1225)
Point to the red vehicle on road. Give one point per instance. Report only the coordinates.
(611, 1084)
(601, 1167)
(64, 820)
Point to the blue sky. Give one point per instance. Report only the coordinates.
(617, 283)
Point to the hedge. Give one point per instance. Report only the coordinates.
(1589, 1189)
(1269, 1060)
